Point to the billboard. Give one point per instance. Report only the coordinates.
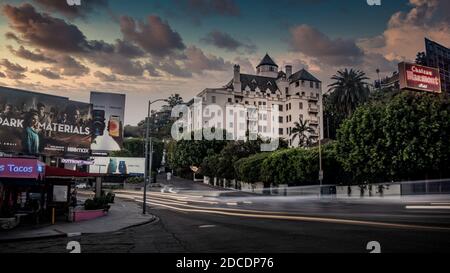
(108, 119)
(118, 165)
(418, 77)
(39, 124)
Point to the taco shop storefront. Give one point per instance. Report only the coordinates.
(22, 188)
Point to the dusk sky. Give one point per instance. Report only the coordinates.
(153, 48)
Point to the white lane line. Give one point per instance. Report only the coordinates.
(434, 204)
(307, 218)
(232, 204)
(207, 226)
(248, 202)
(427, 207)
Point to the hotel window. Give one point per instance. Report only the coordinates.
(230, 100)
(303, 83)
(264, 103)
(241, 126)
(300, 105)
(231, 124)
(301, 117)
(219, 125)
(297, 84)
(280, 108)
(213, 98)
(231, 112)
(241, 114)
(246, 102)
(280, 119)
(311, 84)
(280, 131)
(287, 90)
(219, 113)
(303, 94)
(317, 85)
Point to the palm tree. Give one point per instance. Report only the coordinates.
(349, 90)
(301, 131)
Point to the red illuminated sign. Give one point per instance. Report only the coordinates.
(418, 77)
(21, 168)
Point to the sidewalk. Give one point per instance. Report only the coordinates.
(122, 214)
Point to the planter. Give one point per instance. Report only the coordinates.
(82, 215)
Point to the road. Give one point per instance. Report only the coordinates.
(197, 218)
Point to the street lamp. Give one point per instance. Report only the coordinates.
(320, 161)
(148, 162)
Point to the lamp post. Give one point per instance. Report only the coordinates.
(148, 162)
(320, 162)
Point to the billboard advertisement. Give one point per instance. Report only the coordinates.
(418, 77)
(39, 124)
(118, 165)
(108, 119)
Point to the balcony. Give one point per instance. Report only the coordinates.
(313, 121)
(313, 109)
(313, 98)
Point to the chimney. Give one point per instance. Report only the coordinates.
(237, 78)
(288, 71)
(237, 74)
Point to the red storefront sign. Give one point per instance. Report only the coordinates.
(21, 168)
(419, 77)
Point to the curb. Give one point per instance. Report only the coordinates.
(77, 234)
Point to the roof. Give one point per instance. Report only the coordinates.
(303, 75)
(267, 60)
(254, 81)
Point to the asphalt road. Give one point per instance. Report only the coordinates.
(198, 218)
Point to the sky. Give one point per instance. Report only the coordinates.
(150, 49)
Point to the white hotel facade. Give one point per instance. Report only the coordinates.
(280, 99)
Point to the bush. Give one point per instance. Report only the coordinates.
(248, 169)
(100, 202)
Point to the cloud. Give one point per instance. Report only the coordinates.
(225, 41)
(69, 66)
(43, 30)
(47, 73)
(404, 35)
(12, 67)
(105, 77)
(197, 61)
(71, 12)
(13, 71)
(36, 56)
(312, 42)
(155, 36)
(128, 49)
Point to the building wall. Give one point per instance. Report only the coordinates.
(307, 104)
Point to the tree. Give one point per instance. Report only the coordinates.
(349, 90)
(174, 100)
(421, 58)
(406, 138)
(301, 131)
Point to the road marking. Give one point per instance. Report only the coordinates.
(433, 204)
(305, 218)
(248, 202)
(286, 216)
(73, 234)
(207, 226)
(427, 207)
(232, 204)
